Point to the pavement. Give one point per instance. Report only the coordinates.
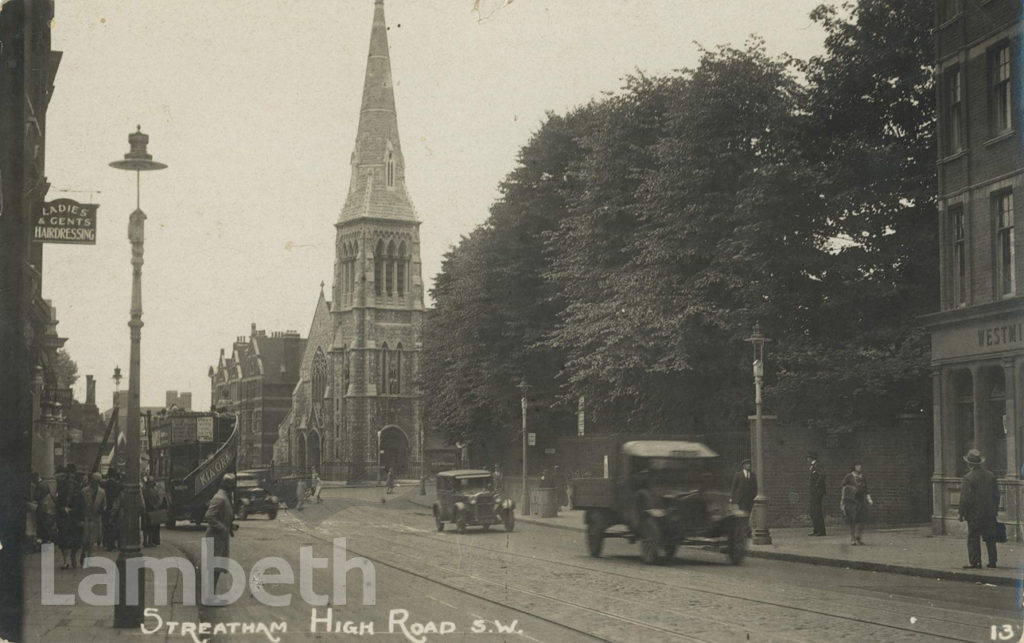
(84, 622)
(910, 550)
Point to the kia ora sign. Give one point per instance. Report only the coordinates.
(66, 221)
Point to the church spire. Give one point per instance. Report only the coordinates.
(377, 187)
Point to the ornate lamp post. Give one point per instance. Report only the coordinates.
(125, 614)
(759, 512)
(524, 499)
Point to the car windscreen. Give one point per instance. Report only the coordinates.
(473, 484)
(689, 473)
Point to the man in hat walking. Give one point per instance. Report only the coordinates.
(817, 489)
(744, 489)
(979, 504)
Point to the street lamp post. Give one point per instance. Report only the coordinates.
(128, 613)
(759, 512)
(524, 498)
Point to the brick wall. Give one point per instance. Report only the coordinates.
(897, 466)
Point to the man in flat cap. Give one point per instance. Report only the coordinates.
(220, 526)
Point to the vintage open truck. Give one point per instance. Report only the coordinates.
(663, 493)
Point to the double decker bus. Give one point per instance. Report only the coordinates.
(189, 454)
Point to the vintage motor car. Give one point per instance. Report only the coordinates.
(251, 498)
(468, 497)
(663, 493)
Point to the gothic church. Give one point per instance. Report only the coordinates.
(357, 402)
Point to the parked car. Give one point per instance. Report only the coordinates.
(251, 498)
(663, 492)
(468, 497)
(285, 489)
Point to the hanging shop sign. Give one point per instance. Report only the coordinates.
(66, 221)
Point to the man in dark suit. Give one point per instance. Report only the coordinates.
(979, 504)
(817, 490)
(744, 490)
(744, 487)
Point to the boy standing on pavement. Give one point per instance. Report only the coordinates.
(979, 504)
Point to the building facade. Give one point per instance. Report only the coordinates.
(256, 382)
(360, 404)
(978, 335)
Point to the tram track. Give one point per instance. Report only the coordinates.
(367, 515)
(432, 578)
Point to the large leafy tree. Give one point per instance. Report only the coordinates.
(640, 237)
(863, 357)
(492, 305)
(696, 214)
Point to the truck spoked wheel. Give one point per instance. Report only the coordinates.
(595, 533)
(649, 542)
(737, 547)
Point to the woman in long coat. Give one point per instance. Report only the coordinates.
(95, 502)
(854, 502)
(70, 515)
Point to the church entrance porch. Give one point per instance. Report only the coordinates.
(394, 451)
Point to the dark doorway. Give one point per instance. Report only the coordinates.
(394, 451)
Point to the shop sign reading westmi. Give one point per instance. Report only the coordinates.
(66, 221)
(994, 336)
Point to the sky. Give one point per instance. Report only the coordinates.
(253, 105)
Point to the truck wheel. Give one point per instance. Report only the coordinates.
(649, 541)
(670, 551)
(243, 513)
(438, 521)
(595, 533)
(460, 523)
(509, 519)
(736, 548)
(272, 514)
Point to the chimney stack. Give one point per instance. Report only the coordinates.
(90, 390)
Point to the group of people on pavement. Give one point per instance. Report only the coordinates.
(84, 510)
(979, 502)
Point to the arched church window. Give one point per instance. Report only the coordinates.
(403, 262)
(352, 267)
(384, 369)
(389, 278)
(344, 373)
(389, 169)
(396, 379)
(378, 269)
(319, 377)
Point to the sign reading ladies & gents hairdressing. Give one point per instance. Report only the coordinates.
(66, 221)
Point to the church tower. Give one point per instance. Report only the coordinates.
(377, 308)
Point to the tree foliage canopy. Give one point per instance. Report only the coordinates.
(641, 236)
